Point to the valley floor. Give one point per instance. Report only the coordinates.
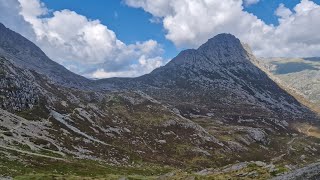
(35, 166)
(16, 163)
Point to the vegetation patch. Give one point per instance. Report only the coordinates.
(37, 113)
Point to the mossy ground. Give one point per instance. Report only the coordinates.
(38, 112)
(22, 167)
(31, 167)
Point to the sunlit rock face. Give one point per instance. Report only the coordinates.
(301, 75)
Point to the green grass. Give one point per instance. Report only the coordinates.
(70, 177)
(38, 112)
(33, 167)
(38, 168)
(279, 170)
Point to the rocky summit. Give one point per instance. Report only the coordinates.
(218, 75)
(209, 113)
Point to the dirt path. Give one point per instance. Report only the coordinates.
(14, 128)
(31, 153)
(290, 148)
(308, 131)
(291, 141)
(17, 126)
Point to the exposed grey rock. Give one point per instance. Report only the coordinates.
(6, 178)
(253, 174)
(236, 147)
(17, 92)
(311, 171)
(260, 163)
(24, 54)
(236, 167)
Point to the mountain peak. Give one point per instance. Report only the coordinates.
(224, 37)
(222, 74)
(221, 42)
(223, 49)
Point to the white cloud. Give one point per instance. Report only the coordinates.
(250, 2)
(90, 48)
(143, 66)
(10, 16)
(299, 30)
(159, 8)
(189, 23)
(31, 9)
(283, 12)
(81, 44)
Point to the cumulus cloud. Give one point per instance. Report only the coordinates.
(82, 45)
(143, 66)
(189, 23)
(299, 29)
(250, 2)
(283, 12)
(90, 48)
(10, 16)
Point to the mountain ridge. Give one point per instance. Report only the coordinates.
(222, 65)
(205, 111)
(26, 54)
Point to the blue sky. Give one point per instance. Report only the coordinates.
(132, 24)
(124, 42)
(265, 9)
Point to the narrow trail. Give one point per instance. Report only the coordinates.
(308, 131)
(31, 153)
(14, 128)
(17, 126)
(290, 148)
(291, 141)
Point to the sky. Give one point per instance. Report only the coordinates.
(129, 38)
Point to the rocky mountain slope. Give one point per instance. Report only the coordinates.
(26, 55)
(198, 116)
(216, 76)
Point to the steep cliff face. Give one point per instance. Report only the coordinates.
(17, 91)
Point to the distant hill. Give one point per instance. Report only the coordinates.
(302, 75)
